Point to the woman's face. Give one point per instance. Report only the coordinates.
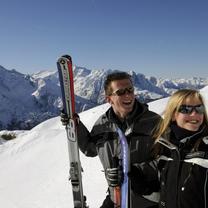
(190, 115)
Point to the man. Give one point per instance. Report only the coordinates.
(137, 123)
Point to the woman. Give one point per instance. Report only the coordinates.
(181, 149)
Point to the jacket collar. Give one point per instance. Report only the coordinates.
(138, 110)
(184, 138)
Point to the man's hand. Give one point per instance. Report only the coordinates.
(65, 118)
(114, 176)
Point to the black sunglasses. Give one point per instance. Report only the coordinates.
(188, 109)
(123, 91)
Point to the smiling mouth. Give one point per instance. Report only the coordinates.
(127, 103)
(193, 121)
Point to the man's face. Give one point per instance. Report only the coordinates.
(122, 98)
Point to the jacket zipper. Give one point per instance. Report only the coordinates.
(179, 159)
(187, 178)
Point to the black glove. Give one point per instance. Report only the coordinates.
(114, 176)
(65, 118)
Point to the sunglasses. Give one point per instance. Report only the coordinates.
(188, 109)
(123, 91)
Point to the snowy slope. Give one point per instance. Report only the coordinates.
(34, 170)
(34, 167)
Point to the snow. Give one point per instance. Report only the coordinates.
(22, 105)
(34, 166)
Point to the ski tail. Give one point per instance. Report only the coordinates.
(64, 65)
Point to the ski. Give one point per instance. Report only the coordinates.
(125, 165)
(64, 65)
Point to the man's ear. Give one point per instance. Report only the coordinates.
(108, 99)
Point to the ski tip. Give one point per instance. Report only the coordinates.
(67, 56)
(63, 59)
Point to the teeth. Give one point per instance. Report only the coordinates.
(194, 121)
(127, 102)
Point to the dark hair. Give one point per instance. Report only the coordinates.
(118, 75)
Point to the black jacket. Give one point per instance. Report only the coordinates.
(183, 163)
(103, 141)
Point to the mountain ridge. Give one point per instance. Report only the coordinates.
(27, 100)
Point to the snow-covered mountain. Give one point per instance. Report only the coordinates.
(35, 165)
(26, 100)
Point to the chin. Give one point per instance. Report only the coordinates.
(128, 110)
(193, 129)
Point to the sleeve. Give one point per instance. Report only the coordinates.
(144, 178)
(85, 141)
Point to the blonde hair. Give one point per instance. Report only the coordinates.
(174, 102)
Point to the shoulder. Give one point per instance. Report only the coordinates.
(147, 120)
(102, 125)
(101, 120)
(205, 140)
(145, 113)
(203, 146)
(165, 143)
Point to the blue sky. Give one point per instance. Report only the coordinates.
(162, 38)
